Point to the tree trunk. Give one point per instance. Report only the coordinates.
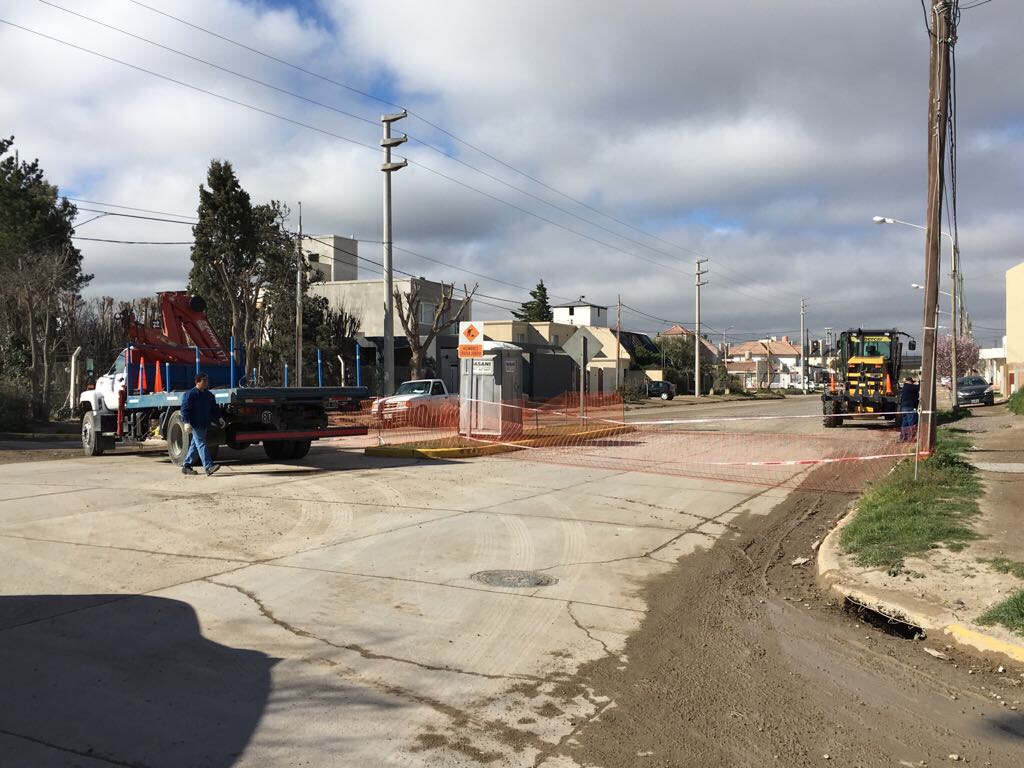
(415, 361)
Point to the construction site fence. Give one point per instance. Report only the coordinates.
(763, 451)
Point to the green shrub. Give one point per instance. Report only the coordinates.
(15, 407)
(1016, 402)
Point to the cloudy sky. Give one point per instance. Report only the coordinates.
(602, 146)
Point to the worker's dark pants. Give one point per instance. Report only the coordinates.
(197, 448)
(908, 426)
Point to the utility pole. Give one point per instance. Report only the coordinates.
(954, 322)
(938, 102)
(388, 167)
(618, 339)
(697, 272)
(803, 346)
(300, 266)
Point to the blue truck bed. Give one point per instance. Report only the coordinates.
(254, 395)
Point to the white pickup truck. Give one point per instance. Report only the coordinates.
(422, 403)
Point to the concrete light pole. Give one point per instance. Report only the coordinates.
(388, 167)
(696, 331)
(955, 326)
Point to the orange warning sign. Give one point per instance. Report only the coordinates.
(470, 333)
(471, 350)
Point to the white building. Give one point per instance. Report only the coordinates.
(581, 313)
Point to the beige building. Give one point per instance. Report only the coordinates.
(1013, 373)
(540, 337)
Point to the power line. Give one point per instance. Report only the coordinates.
(135, 216)
(129, 208)
(133, 242)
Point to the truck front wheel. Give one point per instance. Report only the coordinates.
(830, 419)
(93, 443)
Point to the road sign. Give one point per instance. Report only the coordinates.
(575, 347)
(471, 339)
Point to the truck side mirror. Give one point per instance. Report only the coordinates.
(912, 345)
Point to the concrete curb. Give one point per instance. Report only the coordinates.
(39, 436)
(928, 616)
(470, 452)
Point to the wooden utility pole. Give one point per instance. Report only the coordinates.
(300, 268)
(938, 103)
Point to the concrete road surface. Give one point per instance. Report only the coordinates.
(323, 613)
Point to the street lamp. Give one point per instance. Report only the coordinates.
(952, 296)
(921, 288)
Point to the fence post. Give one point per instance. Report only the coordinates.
(359, 372)
(197, 361)
(286, 373)
(320, 369)
(231, 378)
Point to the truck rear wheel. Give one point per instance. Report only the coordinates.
(279, 450)
(301, 448)
(177, 441)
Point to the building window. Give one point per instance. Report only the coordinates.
(313, 258)
(520, 338)
(556, 340)
(426, 312)
(572, 311)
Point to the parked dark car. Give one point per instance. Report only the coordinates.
(974, 389)
(666, 390)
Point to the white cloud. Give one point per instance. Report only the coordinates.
(764, 135)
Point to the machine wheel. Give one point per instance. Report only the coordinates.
(177, 443)
(831, 420)
(301, 448)
(92, 442)
(279, 450)
(666, 396)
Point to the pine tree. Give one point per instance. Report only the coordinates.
(538, 308)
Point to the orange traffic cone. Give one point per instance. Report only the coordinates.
(143, 384)
(888, 385)
(158, 380)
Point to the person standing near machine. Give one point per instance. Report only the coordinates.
(910, 397)
(198, 411)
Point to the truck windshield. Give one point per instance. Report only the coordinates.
(414, 388)
(118, 366)
(875, 346)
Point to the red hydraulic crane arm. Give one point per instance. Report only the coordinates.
(185, 327)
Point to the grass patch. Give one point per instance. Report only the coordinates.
(948, 417)
(899, 516)
(1003, 565)
(1009, 613)
(1016, 402)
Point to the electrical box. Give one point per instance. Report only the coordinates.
(491, 392)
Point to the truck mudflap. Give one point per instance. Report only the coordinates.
(270, 435)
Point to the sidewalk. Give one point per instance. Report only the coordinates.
(946, 591)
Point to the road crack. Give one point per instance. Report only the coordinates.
(363, 652)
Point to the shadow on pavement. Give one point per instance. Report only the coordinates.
(131, 681)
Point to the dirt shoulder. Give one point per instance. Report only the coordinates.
(741, 661)
(954, 586)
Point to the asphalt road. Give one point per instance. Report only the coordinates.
(332, 613)
(323, 613)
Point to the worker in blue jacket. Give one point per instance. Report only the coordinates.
(198, 411)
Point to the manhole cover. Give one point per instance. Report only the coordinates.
(514, 579)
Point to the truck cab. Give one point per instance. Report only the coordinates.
(104, 393)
